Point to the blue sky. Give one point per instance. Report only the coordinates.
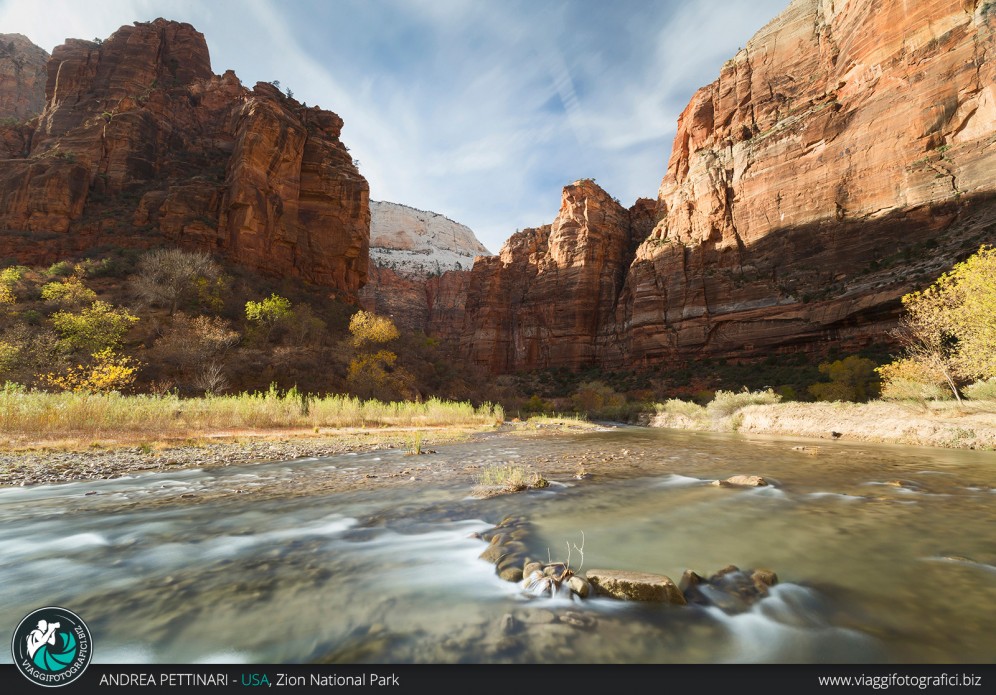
(481, 111)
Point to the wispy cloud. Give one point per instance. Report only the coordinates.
(480, 111)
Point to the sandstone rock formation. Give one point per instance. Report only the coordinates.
(419, 268)
(550, 297)
(139, 142)
(843, 157)
(22, 77)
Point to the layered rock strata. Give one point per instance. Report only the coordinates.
(139, 141)
(842, 158)
(419, 268)
(550, 296)
(22, 78)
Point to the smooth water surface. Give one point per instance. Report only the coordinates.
(870, 571)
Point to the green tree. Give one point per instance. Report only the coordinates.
(269, 312)
(93, 329)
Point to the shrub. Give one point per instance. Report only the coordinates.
(911, 379)
(984, 390)
(269, 310)
(97, 327)
(676, 406)
(60, 269)
(106, 372)
(9, 278)
(851, 379)
(69, 292)
(167, 276)
(597, 398)
(728, 402)
(900, 389)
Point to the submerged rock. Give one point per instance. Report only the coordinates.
(579, 585)
(742, 481)
(732, 590)
(636, 586)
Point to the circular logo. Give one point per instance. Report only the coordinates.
(52, 646)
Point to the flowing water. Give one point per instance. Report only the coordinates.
(869, 571)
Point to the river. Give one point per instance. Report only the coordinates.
(179, 567)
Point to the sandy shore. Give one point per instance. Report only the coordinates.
(972, 426)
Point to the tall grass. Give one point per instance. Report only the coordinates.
(721, 413)
(39, 413)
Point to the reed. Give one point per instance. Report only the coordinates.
(67, 414)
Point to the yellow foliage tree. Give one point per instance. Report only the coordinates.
(106, 372)
(373, 372)
(949, 329)
(9, 277)
(367, 327)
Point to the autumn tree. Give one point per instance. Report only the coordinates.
(373, 371)
(70, 292)
(949, 329)
(106, 371)
(850, 379)
(367, 328)
(9, 278)
(165, 277)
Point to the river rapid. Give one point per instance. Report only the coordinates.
(884, 554)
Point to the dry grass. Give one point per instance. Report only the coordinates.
(936, 423)
(722, 412)
(76, 416)
(502, 479)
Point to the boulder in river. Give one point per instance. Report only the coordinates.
(731, 589)
(636, 586)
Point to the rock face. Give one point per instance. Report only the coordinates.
(22, 77)
(419, 268)
(636, 586)
(550, 297)
(842, 158)
(139, 142)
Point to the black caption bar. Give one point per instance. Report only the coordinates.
(482, 679)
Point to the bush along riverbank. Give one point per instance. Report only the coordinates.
(966, 425)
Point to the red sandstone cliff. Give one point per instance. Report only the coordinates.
(845, 155)
(551, 293)
(22, 77)
(139, 140)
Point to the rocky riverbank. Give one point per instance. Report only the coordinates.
(61, 462)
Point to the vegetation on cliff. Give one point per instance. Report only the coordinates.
(177, 322)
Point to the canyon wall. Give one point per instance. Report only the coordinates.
(140, 142)
(419, 268)
(842, 158)
(548, 298)
(22, 77)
